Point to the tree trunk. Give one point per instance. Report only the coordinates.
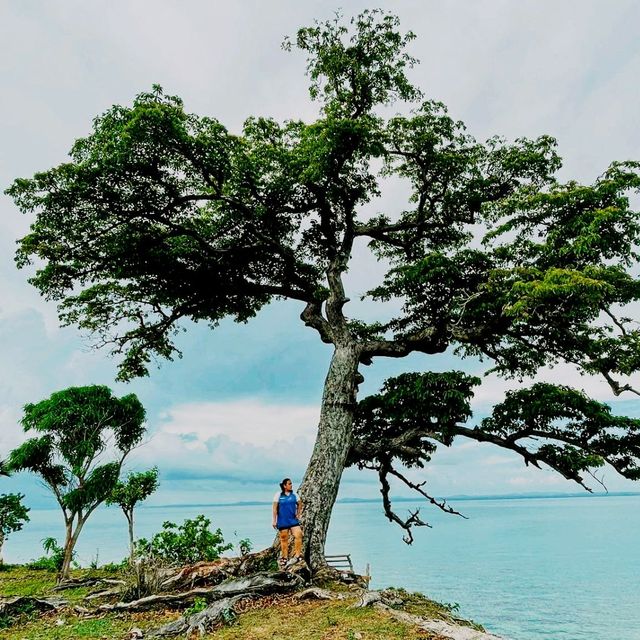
(1, 545)
(131, 549)
(321, 481)
(68, 550)
(69, 545)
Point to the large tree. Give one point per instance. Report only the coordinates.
(83, 436)
(161, 215)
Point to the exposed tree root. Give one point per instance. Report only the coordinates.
(369, 598)
(440, 627)
(315, 593)
(216, 613)
(258, 584)
(17, 604)
(72, 583)
(104, 594)
(211, 573)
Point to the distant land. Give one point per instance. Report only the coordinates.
(460, 498)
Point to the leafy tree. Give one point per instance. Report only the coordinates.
(190, 542)
(13, 515)
(162, 215)
(78, 428)
(128, 493)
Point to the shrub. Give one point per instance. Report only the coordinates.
(187, 543)
(54, 558)
(244, 546)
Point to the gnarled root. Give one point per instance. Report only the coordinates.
(203, 621)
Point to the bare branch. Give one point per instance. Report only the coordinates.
(441, 504)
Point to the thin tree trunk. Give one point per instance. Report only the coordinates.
(66, 561)
(1, 545)
(69, 546)
(321, 481)
(131, 548)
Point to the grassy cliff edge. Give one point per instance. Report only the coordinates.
(411, 615)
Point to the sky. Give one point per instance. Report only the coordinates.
(239, 410)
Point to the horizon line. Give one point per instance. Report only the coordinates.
(461, 498)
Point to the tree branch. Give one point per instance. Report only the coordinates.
(312, 317)
(384, 468)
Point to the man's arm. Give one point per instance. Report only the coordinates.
(274, 511)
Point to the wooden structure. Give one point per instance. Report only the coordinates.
(340, 562)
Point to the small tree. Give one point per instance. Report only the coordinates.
(136, 488)
(190, 542)
(13, 515)
(77, 427)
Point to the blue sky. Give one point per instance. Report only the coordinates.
(239, 410)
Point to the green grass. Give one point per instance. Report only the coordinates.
(17, 580)
(312, 620)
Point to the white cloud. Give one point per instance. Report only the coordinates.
(246, 440)
(246, 422)
(493, 387)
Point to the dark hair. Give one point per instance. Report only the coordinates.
(283, 483)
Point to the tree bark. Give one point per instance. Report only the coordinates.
(69, 545)
(131, 548)
(1, 545)
(319, 487)
(68, 549)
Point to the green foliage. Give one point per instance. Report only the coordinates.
(229, 617)
(545, 423)
(136, 488)
(54, 558)
(79, 426)
(356, 67)
(115, 567)
(78, 416)
(199, 604)
(245, 546)
(412, 412)
(187, 543)
(127, 494)
(13, 514)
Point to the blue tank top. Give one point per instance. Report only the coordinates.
(287, 506)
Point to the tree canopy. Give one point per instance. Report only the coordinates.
(127, 493)
(162, 215)
(13, 515)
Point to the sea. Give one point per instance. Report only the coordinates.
(563, 568)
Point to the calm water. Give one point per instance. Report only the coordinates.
(563, 569)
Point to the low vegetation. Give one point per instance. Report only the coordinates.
(277, 616)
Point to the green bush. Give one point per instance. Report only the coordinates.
(115, 567)
(53, 560)
(187, 543)
(244, 546)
